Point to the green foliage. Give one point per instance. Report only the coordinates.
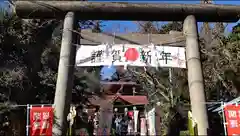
(29, 55)
(157, 28)
(220, 60)
(221, 68)
(235, 35)
(166, 28)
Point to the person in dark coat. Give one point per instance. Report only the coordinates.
(124, 126)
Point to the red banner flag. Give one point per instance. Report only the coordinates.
(41, 121)
(232, 115)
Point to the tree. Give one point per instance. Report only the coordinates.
(29, 54)
(157, 28)
(219, 58)
(172, 96)
(159, 89)
(219, 62)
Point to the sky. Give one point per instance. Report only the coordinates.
(130, 26)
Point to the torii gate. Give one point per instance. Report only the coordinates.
(73, 10)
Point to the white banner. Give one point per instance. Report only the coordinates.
(143, 128)
(151, 122)
(129, 54)
(136, 112)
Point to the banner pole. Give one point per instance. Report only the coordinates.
(27, 124)
(70, 129)
(224, 121)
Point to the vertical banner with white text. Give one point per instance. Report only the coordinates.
(41, 121)
(232, 116)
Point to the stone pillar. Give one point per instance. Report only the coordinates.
(195, 75)
(64, 84)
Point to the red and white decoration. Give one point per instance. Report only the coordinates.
(41, 121)
(232, 116)
(130, 54)
(143, 127)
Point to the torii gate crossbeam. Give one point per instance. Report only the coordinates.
(71, 10)
(127, 11)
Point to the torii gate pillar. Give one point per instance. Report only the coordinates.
(65, 77)
(195, 75)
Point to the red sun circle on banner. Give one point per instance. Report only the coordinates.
(131, 54)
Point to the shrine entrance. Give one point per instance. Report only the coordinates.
(121, 106)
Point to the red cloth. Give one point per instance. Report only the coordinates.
(130, 114)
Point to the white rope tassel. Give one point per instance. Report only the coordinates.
(107, 54)
(154, 57)
(125, 66)
(178, 59)
(110, 57)
(145, 69)
(125, 61)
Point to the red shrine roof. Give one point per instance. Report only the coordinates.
(137, 99)
(111, 88)
(134, 100)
